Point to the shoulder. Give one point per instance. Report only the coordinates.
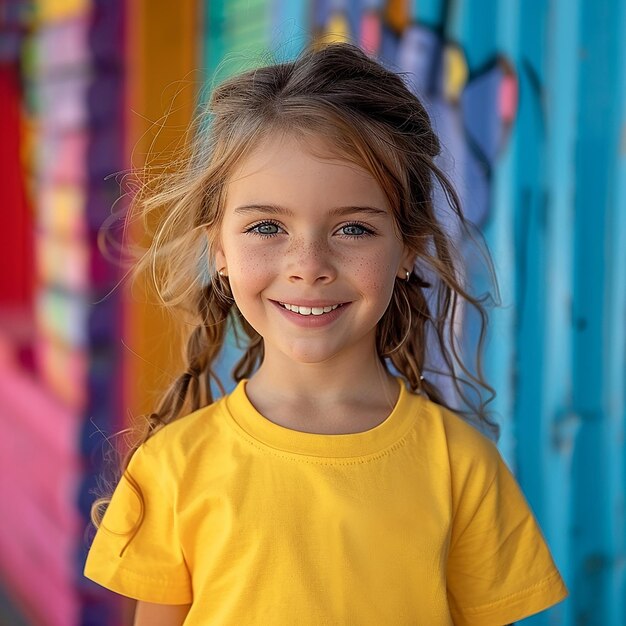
(469, 446)
(174, 447)
(464, 441)
(190, 429)
(456, 446)
(479, 479)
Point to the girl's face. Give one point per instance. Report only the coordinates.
(311, 252)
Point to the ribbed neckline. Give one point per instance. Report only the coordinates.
(266, 432)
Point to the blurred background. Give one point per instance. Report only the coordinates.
(530, 101)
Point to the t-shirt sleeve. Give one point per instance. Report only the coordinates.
(499, 567)
(136, 551)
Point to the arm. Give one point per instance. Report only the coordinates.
(150, 614)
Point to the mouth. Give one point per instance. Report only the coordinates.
(310, 310)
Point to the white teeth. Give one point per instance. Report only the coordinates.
(306, 310)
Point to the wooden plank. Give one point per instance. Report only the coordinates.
(598, 302)
(561, 106)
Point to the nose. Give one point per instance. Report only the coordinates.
(310, 261)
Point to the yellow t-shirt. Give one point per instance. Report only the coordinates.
(414, 522)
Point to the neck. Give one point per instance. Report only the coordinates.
(340, 379)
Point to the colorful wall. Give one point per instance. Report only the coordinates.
(70, 79)
(530, 101)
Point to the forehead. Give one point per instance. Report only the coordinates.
(286, 168)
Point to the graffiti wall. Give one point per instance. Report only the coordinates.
(529, 100)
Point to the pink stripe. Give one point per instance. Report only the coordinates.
(41, 527)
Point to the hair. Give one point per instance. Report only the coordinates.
(369, 117)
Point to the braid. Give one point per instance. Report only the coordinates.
(253, 355)
(192, 389)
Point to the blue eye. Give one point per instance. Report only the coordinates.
(265, 229)
(355, 230)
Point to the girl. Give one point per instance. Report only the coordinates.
(324, 489)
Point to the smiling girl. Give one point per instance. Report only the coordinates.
(335, 484)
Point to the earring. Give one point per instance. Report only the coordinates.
(420, 386)
(220, 285)
(408, 276)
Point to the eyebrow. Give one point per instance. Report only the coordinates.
(275, 209)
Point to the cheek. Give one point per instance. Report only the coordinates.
(375, 274)
(249, 268)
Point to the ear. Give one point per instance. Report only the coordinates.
(220, 261)
(407, 262)
(219, 258)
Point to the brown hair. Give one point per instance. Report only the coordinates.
(370, 118)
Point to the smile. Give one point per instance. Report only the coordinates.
(307, 310)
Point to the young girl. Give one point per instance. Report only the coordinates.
(333, 485)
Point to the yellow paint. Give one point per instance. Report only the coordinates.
(456, 73)
(61, 210)
(337, 29)
(54, 10)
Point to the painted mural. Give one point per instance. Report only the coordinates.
(529, 101)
